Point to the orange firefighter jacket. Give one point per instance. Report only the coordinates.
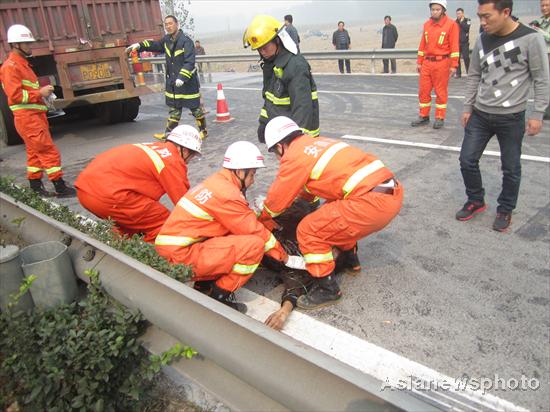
(321, 167)
(440, 39)
(150, 169)
(21, 86)
(214, 208)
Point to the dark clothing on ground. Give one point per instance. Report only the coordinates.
(389, 38)
(464, 41)
(341, 40)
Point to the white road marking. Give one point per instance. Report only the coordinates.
(384, 365)
(436, 146)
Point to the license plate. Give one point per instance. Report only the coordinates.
(95, 71)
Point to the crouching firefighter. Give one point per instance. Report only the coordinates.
(362, 197)
(182, 83)
(213, 229)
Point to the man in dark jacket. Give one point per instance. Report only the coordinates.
(182, 84)
(389, 38)
(291, 30)
(464, 24)
(342, 41)
(288, 86)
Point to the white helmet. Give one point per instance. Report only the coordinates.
(442, 3)
(19, 34)
(186, 136)
(243, 155)
(277, 129)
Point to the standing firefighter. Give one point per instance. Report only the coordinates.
(125, 183)
(289, 88)
(26, 100)
(182, 84)
(362, 198)
(213, 229)
(437, 61)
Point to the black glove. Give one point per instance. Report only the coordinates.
(261, 132)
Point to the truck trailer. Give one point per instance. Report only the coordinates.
(80, 50)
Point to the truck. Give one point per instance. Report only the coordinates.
(80, 50)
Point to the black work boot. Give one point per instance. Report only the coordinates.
(62, 190)
(324, 292)
(38, 187)
(349, 261)
(204, 286)
(227, 298)
(421, 121)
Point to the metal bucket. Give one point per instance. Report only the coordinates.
(11, 278)
(51, 264)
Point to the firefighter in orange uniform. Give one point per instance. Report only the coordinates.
(362, 197)
(125, 183)
(213, 229)
(26, 100)
(437, 61)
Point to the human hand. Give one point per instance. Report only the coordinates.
(295, 262)
(46, 90)
(418, 68)
(132, 47)
(533, 127)
(179, 82)
(452, 71)
(465, 118)
(259, 203)
(278, 318)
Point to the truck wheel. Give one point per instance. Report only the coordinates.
(130, 109)
(7, 129)
(110, 112)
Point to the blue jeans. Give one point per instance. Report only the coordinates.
(509, 129)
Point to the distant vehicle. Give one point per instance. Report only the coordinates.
(316, 33)
(80, 50)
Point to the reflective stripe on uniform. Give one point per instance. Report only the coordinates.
(455, 55)
(33, 169)
(270, 244)
(167, 50)
(314, 96)
(280, 101)
(146, 43)
(278, 71)
(318, 257)
(178, 52)
(325, 159)
(182, 96)
(271, 213)
(425, 104)
(194, 210)
(54, 169)
(263, 113)
(166, 240)
(25, 97)
(440, 106)
(28, 107)
(32, 85)
(441, 38)
(420, 53)
(244, 269)
(313, 133)
(154, 156)
(360, 174)
(188, 73)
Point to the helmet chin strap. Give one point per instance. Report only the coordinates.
(23, 52)
(243, 186)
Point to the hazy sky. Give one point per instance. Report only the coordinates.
(222, 16)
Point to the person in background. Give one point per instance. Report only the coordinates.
(291, 30)
(508, 58)
(342, 41)
(464, 24)
(389, 38)
(542, 25)
(26, 99)
(199, 51)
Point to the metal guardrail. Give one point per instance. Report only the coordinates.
(260, 368)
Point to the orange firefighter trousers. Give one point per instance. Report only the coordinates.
(219, 257)
(42, 154)
(341, 223)
(133, 213)
(434, 75)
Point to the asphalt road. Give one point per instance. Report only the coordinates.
(455, 296)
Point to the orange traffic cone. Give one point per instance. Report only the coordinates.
(222, 111)
(138, 68)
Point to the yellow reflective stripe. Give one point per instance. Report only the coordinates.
(28, 83)
(278, 72)
(244, 269)
(25, 97)
(270, 244)
(306, 189)
(146, 43)
(154, 156)
(313, 133)
(441, 37)
(425, 104)
(277, 100)
(166, 240)
(182, 96)
(33, 169)
(173, 119)
(194, 210)
(271, 213)
(360, 174)
(426, 36)
(314, 96)
(167, 50)
(53, 170)
(263, 113)
(178, 52)
(420, 53)
(318, 257)
(455, 55)
(28, 107)
(315, 199)
(440, 106)
(186, 73)
(324, 159)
